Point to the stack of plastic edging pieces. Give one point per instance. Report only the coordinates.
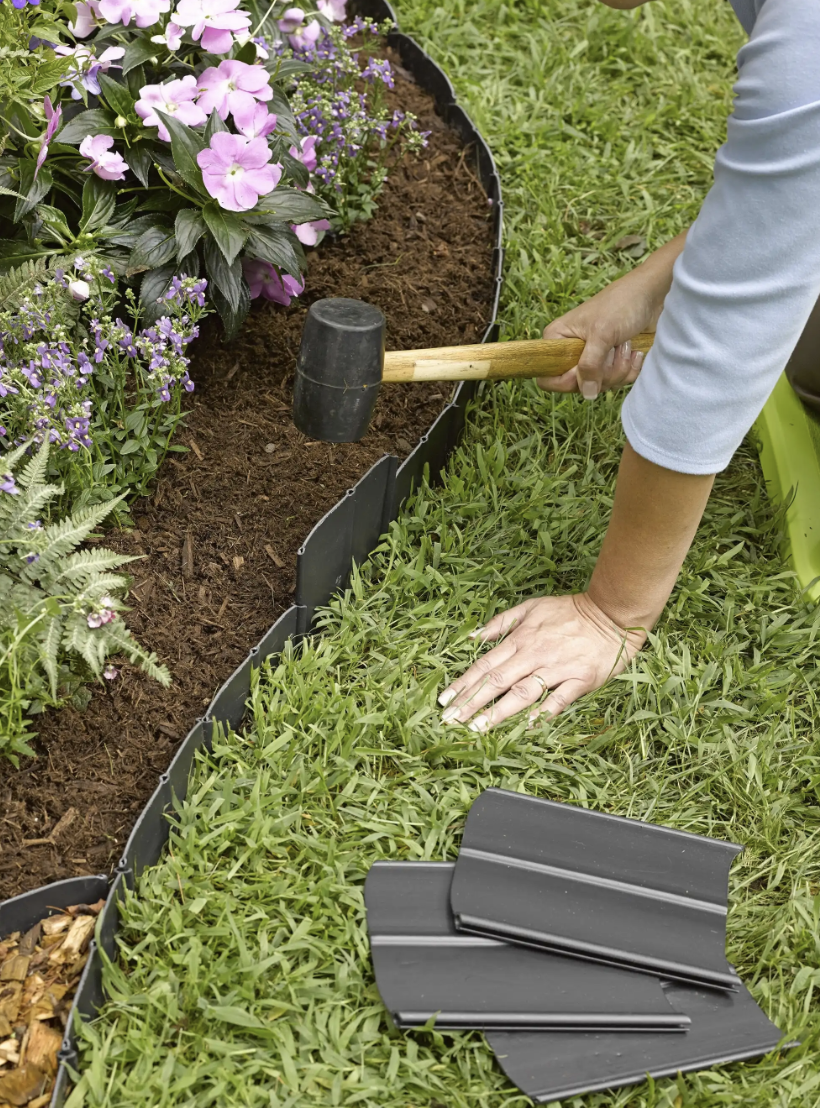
(589, 948)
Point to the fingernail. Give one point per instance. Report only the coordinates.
(446, 697)
(476, 633)
(637, 358)
(625, 349)
(480, 723)
(610, 358)
(450, 714)
(589, 390)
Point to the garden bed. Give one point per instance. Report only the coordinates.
(221, 532)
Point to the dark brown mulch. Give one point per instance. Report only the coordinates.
(221, 532)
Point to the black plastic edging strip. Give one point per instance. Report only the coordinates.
(424, 968)
(349, 532)
(549, 1066)
(23, 911)
(595, 885)
(150, 832)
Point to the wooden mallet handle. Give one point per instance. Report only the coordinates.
(491, 360)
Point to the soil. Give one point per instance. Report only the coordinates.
(221, 531)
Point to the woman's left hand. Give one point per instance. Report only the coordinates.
(565, 644)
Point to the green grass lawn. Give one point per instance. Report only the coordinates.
(245, 976)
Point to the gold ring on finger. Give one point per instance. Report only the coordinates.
(540, 681)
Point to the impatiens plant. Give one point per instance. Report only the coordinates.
(60, 607)
(220, 134)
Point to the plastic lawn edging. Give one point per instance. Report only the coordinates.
(345, 536)
(790, 459)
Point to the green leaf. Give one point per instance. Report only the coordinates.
(118, 96)
(232, 318)
(154, 286)
(239, 1017)
(226, 228)
(137, 52)
(16, 251)
(247, 54)
(189, 228)
(32, 190)
(95, 121)
(185, 145)
(214, 125)
(55, 222)
(225, 275)
(291, 206)
(273, 245)
(139, 160)
(153, 248)
(99, 202)
(49, 75)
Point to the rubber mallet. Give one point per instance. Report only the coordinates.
(342, 362)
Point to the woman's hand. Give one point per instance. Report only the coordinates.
(607, 322)
(565, 644)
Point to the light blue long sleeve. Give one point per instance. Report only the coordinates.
(749, 275)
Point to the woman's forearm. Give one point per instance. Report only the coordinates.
(656, 270)
(654, 518)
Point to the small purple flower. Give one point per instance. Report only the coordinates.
(32, 558)
(110, 673)
(7, 484)
(264, 280)
(35, 525)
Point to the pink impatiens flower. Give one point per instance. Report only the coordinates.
(307, 155)
(110, 166)
(291, 19)
(86, 20)
(175, 98)
(213, 21)
(264, 280)
(333, 10)
(53, 116)
(233, 87)
(306, 38)
(255, 122)
(308, 233)
(145, 13)
(172, 38)
(235, 170)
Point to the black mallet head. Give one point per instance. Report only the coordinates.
(339, 370)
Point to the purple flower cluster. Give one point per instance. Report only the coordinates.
(49, 375)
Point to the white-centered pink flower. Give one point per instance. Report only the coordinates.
(306, 38)
(106, 163)
(86, 20)
(172, 37)
(264, 280)
(333, 10)
(233, 87)
(175, 98)
(215, 22)
(308, 233)
(145, 13)
(291, 19)
(307, 155)
(236, 172)
(255, 122)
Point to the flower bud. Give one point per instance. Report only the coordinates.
(80, 290)
(120, 122)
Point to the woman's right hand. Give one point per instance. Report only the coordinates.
(607, 321)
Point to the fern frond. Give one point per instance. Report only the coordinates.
(18, 281)
(9, 461)
(49, 651)
(119, 635)
(102, 583)
(26, 507)
(36, 472)
(79, 638)
(84, 563)
(64, 536)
